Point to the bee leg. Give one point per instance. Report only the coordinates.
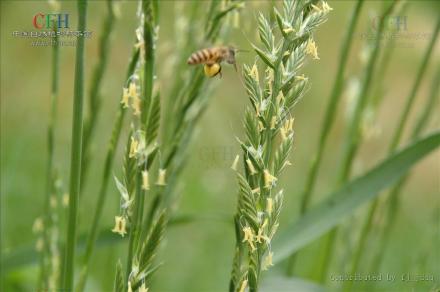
(220, 73)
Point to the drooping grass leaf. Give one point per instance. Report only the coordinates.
(345, 201)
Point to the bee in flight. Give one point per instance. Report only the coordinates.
(212, 58)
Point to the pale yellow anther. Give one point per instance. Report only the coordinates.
(280, 97)
(288, 30)
(249, 237)
(65, 200)
(301, 77)
(235, 163)
(251, 166)
(261, 126)
(120, 227)
(125, 98)
(312, 49)
(269, 179)
(256, 191)
(291, 123)
(134, 146)
(132, 92)
(316, 8)
(283, 133)
(261, 236)
(273, 122)
(254, 73)
(326, 7)
(38, 225)
(269, 206)
(161, 181)
(143, 288)
(145, 180)
(267, 262)
(136, 105)
(243, 286)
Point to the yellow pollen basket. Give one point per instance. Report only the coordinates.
(212, 70)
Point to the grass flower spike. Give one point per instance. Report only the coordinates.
(265, 156)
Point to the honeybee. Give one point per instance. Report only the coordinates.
(212, 58)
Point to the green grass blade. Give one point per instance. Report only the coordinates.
(75, 164)
(346, 200)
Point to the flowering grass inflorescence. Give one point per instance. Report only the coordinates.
(269, 132)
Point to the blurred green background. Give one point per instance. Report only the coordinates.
(197, 256)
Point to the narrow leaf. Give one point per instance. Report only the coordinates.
(345, 201)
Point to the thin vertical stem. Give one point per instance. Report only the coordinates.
(134, 227)
(43, 284)
(75, 164)
(329, 117)
(354, 136)
(94, 97)
(148, 74)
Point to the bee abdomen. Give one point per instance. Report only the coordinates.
(201, 56)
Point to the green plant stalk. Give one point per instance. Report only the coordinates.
(43, 284)
(94, 96)
(134, 227)
(393, 203)
(329, 118)
(148, 80)
(354, 136)
(148, 76)
(75, 165)
(147, 92)
(113, 143)
(392, 148)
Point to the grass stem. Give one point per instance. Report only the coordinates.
(75, 164)
(43, 281)
(94, 93)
